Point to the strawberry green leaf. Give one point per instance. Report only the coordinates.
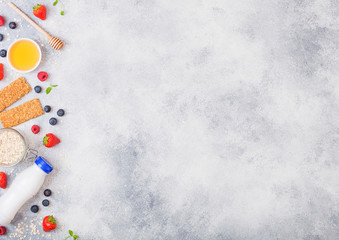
(70, 232)
(51, 219)
(36, 7)
(62, 13)
(48, 90)
(55, 3)
(75, 237)
(54, 85)
(45, 140)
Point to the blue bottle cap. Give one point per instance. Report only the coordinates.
(44, 165)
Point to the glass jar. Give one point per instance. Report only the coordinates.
(14, 148)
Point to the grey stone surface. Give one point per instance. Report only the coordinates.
(191, 119)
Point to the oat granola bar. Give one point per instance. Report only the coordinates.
(13, 92)
(22, 113)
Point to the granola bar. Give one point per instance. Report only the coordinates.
(13, 92)
(22, 113)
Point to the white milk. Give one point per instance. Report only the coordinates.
(24, 187)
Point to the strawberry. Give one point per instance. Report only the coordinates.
(3, 180)
(50, 140)
(1, 71)
(2, 21)
(2, 230)
(48, 223)
(40, 11)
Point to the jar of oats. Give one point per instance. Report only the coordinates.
(13, 147)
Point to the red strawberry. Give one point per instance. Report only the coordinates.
(3, 180)
(1, 71)
(50, 140)
(48, 223)
(40, 11)
(2, 230)
(2, 21)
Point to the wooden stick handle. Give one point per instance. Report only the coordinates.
(28, 19)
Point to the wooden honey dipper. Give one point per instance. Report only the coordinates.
(55, 42)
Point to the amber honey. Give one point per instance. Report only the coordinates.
(24, 55)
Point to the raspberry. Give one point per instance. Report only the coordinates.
(2, 21)
(42, 76)
(2, 230)
(35, 129)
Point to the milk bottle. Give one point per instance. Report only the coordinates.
(25, 186)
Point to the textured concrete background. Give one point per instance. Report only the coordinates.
(191, 119)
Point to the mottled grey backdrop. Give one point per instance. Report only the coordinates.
(197, 119)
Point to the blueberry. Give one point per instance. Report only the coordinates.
(53, 121)
(37, 89)
(1, 37)
(3, 53)
(47, 192)
(35, 208)
(12, 25)
(60, 112)
(47, 108)
(45, 202)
